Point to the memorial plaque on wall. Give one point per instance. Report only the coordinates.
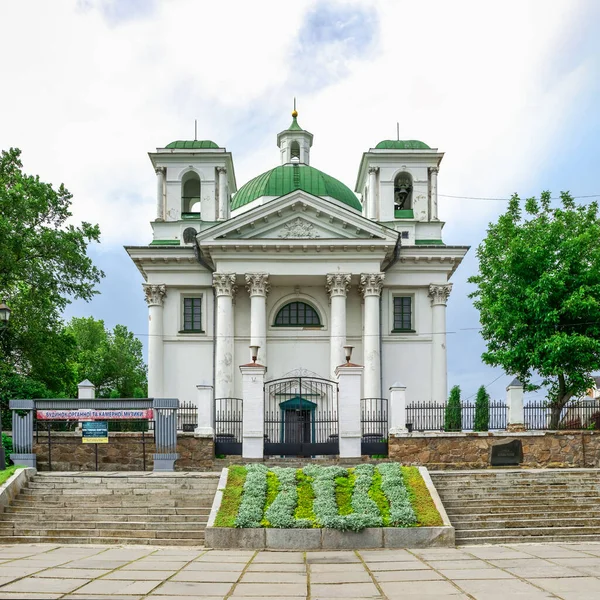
(506, 454)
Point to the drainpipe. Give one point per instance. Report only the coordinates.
(392, 262)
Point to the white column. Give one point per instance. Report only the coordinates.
(371, 285)
(224, 284)
(372, 206)
(155, 296)
(223, 212)
(205, 407)
(257, 285)
(514, 399)
(433, 171)
(253, 379)
(349, 384)
(160, 193)
(337, 286)
(86, 390)
(438, 295)
(397, 413)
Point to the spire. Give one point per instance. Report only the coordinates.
(294, 126)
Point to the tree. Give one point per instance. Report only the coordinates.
(538, 295)
(453, 416)
(111, 360)
(482, 410)
(43, 266)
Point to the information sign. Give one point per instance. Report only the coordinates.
(86, 414)
(94, 432)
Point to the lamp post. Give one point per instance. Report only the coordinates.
(4, 317)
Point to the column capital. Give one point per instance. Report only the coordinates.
(159, 170)
(434, 170)
(371, 284)
(155, 293)
(258, 284)
(438, 294)
(224, 284)
(221, 170)
(338, 284)
(373, 170)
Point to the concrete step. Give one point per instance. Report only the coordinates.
(476, 503)
(592, 509)
(523, 523)
(527, 539)
(61, 532)
(204, 484)
(530, 531)
(76, 519)
(38, 539)
(100, 491)
(117, 502)
(169, 511)
(188, 527)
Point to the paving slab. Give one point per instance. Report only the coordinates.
(139, 575)
(279, 557)
(282, 567)
(88, 563)
(540, 572)
(511, 563)
(337, 568)
(50, 586)
(207, 576)
(331, 557)
(397, 566)
(511, 588)
(103, 586)
(344, 590)
(266, 590)
(550, 551)
(199, 590)
(66, 573)
(214, 558)
(386, 555)
(273, 577)
(459, 564)
(354, 576)
(220, 567)
(428, 575)
(458, 574)
(420, 589)
(495, 552)
(101, 597)
(560, 585)
(147, 565)
(29, 596)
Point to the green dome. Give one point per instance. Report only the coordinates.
(402, 145)
(287, 178)
(192, 145)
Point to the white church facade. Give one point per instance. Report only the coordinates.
(298, 265)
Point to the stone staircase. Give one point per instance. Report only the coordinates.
(507, 506)
(111, 508)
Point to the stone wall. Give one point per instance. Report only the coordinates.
(472, 450)
(124, 452)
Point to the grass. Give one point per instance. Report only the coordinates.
(273, 486)
(232, 497)
(343, 492)
(422, 502)
(376, 494)
(4, 475)
(306, 496)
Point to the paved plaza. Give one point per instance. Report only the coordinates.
(533, 571)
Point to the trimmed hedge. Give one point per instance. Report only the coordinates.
(332, 497)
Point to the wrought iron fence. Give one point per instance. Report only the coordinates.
(431, 416)
(581, 414)
(374, 426)
(228, 425)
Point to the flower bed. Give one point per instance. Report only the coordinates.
(332, 497)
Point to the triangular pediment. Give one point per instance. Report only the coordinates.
(298, 216)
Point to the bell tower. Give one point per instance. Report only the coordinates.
(294, 143)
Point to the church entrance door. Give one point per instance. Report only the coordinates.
(301, 417)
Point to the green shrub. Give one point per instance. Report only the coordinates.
(304, 509)
(453, 417)
(8, 447)
(250, 513)
(232, 497)
(482, 410)
(392, 484)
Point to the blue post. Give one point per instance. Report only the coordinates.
(165, 433)
(22, 419)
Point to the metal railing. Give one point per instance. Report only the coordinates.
(431, 416)
(228, 425)
(374, 426)
(581, 414)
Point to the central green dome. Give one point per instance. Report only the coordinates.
(286, 178)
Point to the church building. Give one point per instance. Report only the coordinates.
(307, 272)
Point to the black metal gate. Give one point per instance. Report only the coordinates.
(228, 426)
(374, 426)
(301, 417)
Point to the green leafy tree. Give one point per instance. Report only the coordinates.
(482, 410)
(111, 360)
(43, 266)
(453, 416)
(538, 295)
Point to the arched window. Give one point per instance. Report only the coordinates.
(403, 188)
(297, 314)
(295, 152)
(190, 193)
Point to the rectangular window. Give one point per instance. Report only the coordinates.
(402, 313)
(192, 314)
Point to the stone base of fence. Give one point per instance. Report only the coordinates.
(472, 450)
(124, 452)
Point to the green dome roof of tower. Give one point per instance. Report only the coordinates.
(286, 178)
(402, 145)
(192, 145)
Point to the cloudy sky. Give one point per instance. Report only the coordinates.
(508, 90)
